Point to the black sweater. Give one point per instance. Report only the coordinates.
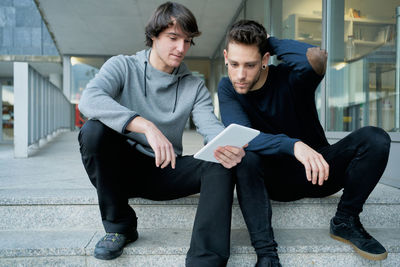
(284, 108)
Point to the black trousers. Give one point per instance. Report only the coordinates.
(356, 163)
(119, 172)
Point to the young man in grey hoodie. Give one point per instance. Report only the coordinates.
(132, 145)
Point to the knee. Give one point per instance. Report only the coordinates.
(92, 136)
(378, 140)
(250, 160)
(218, 174)
(250, 166)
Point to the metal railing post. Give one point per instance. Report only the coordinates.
(41, 109)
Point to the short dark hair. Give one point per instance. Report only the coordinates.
(248, 32)
(165, 15)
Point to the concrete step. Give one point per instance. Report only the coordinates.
(39, 209)
(168, 247)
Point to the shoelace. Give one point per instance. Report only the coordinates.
(361, 230)
(111, 237)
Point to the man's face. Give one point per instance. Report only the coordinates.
(170, 47)
(244, 66)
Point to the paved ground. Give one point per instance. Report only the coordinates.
(57, 166)
(60, 159)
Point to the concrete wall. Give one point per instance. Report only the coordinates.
(22, 31)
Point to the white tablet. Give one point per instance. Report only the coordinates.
(233, 135)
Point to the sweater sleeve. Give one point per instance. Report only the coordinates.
(294, 55)
(98, 100)
(207, 124)
(233, 112)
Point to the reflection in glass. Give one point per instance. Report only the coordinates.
(362, 65)
(302, 21)
(83, 69)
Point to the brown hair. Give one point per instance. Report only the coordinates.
(165, 15)
(248, 32)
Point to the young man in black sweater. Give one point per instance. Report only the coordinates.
(292, 156)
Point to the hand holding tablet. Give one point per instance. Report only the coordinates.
(233, 135)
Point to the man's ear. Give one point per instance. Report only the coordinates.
(226, 56)
(265, 58)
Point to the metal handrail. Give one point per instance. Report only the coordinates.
(41, 109)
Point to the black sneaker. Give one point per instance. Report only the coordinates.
(350, 230)
(268, 262)
(112, 245)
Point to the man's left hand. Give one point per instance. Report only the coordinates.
(317, 169)
(229, 156)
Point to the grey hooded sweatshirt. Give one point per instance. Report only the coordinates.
(128, 86)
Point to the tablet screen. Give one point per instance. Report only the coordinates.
(233, 135)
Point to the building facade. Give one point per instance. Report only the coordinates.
(23, 37)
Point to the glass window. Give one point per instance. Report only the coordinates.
(83, 69)
(361, 73)
(219, 69)
(300, 20)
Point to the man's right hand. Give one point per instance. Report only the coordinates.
(317, 169)
(317, 58)
(162, 147)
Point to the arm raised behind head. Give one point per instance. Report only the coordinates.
(317, 58)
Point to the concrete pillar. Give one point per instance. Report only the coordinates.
(67, 77)
(21, 122)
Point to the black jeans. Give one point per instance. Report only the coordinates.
(119, 172)
(356, 163)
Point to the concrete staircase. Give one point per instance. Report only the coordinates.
(49, 217)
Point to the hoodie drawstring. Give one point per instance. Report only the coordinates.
(176, 90)
(145, 68)
(176, 94)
